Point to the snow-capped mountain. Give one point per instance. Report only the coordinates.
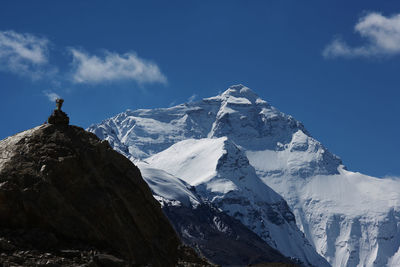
(216, 235)
(222, 175)
(235, 147)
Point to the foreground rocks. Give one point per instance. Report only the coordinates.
(66, 198)
(25, 248)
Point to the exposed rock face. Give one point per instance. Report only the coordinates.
(220, 238)
(63, 180)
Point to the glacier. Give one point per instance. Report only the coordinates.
(250, 159)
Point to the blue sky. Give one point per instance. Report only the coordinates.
(334, 65)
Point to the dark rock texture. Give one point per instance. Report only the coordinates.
(65, 182)
(273, 265)
(220, 238)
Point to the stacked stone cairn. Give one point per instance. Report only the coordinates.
(58, 116)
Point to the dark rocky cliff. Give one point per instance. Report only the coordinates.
(220, 238)
(73, 188)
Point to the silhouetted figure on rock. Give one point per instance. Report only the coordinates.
(58, 116)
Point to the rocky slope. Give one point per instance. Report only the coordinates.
(349, 218)
(216, 235)
(63, 188)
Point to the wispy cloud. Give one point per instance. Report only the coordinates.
(113, 67)
(51, 95)
(27, 55)
(192, 98)
(381, 34)
(24, 54)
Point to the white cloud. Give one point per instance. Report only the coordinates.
(382, 36)
(192, 98)
(51, 95)
(113, 67)
(24, 54)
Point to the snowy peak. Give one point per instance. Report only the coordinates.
(249, 121)
(237, 94)
(234, 147)
(302, 157)
(216, 166)
(238, 114)
(222, 175)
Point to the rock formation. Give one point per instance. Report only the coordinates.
(58, 116)
(61, 186)
(221, 238)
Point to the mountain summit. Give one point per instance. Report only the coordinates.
(239, 114)
(252, 161)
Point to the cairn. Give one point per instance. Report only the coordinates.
(58, 116)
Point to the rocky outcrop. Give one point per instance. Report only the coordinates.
(221, 238)
(63, 181)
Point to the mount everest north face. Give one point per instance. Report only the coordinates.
(263, 168)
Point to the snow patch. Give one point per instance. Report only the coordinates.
(168, 187)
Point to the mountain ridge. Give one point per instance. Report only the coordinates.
(200, 224)
(286, 158)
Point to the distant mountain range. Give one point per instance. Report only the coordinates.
(239, 155)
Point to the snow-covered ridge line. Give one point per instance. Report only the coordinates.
(349, 218)
(223, 176)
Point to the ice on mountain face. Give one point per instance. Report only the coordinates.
(222, 175)
(351, 219)
(167, 187)
(303, 157)
(142, 133)
(206, 160)
(238, 113)
(262, 129)
(220, 238)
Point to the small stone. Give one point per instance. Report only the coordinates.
(43, 168)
